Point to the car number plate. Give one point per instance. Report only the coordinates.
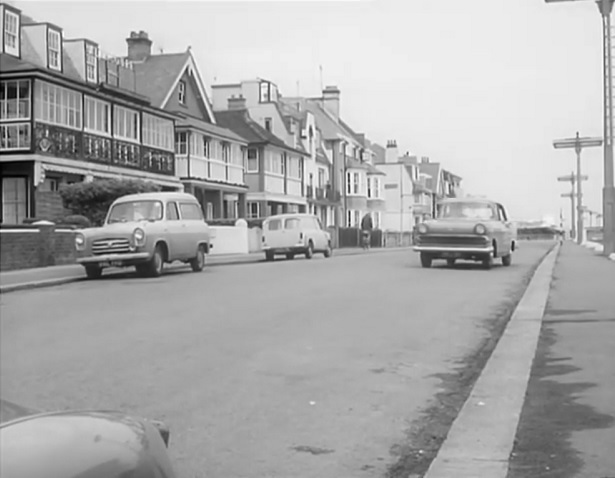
(116, 263)
(451, 255)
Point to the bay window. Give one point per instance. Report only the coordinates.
(57, 105)
(97, 116)
(353, 218)
(353, 183)
(126, 124)
(157, 132)
(181, 142)
(226, 153)
(373, 188)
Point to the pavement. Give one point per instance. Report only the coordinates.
(567, 427)
(56, 275)
(598, 248)
(355, 366)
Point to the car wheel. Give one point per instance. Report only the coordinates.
(507, 260)
(488, 261)
(290, 256)
(198, 263)
(450, 262)
(93, 271)
(156, 263)
(328, 251)
(425, 260)
(269, 255)
(309, 253)
(141, 270)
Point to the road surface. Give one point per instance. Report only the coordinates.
(350, 366)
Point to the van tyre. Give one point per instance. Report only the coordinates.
(487, 262)
(198, 263)
(269, 256)
(425, 260)
(93, 271)
(309, 253)
(328, 251)
(290, 256)
(156, 263)
(450, 262)
(507, 260)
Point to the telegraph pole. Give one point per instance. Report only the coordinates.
(578, 143)
(572, 179)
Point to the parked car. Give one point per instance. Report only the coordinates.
(292, 234)
(80, 443)
(146, 231)
(468, 229)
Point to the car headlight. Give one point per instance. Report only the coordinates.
(139, 236)
(480, 230)
(79, 241)
(422, 228)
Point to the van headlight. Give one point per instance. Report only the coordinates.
(139, 237)
(480, 230)
(422, 228)
(79, 241)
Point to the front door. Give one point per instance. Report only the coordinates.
(14, 199)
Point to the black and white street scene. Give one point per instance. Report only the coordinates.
(307, 239)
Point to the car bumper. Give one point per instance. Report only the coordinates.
(285, 250)
(453, 249)
(115, 259)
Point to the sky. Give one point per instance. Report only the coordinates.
(481, 86)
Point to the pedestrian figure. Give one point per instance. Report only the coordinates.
(366, 230)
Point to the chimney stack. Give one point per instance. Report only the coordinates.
(331, 100)
(425, 159)
(392, 153)
(139, 46)
(237, 103)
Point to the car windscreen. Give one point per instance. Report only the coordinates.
(135, 211)
(466, 210)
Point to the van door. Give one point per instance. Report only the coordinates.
(294, 232)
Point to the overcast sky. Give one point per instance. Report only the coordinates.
(482, 86)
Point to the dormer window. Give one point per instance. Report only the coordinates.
(265, 92)
(11, 32)
(54, 49)
(91, 62)
(182, 92)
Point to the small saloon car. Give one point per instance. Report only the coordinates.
(146, 231)
(467, 229)
(80, 444)
(292, 234)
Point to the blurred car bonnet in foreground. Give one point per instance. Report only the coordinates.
(80, 444)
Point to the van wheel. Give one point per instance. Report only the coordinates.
(156, 263)
(93, 271)
(507, 260)
(450, 262)
(488, 261)
(328, 251)
(269, 256)
(309, 253)
(290, 256)
(198, 263)
(425, 260)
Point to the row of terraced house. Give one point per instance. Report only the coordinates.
(71, 113)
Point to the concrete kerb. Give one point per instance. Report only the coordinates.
(482, 436)
(250, 259)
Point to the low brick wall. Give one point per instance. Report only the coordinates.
(25, 247)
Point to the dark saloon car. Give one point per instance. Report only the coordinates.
(80, 444)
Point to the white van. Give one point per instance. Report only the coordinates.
(292, 234)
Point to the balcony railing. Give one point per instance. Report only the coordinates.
(209, 169)
(67, 143)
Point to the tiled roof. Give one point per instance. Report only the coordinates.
(379, 151)
(155, 76)
(240, 122)
(210, 128)
(371, 169)
(10, 64)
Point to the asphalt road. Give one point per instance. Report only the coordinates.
(323, 368)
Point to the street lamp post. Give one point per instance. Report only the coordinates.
(578, 144)
(608, 191)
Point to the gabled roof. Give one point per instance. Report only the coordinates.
(213, 129)
(158, 76)
(240, 122)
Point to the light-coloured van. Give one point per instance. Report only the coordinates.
(292, 234)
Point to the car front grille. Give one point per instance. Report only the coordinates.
(110, 246)
(451, 240)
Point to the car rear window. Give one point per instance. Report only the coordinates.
(191, 211)
(274, 225)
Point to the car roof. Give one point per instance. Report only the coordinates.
(287, 215)
(161, 196)
(468, 199)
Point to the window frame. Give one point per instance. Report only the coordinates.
(15, 47)
(88, 100)
(42, 109)
(154, 130)
(181, 92)
(53, 34)
(172, 206)
(91, 53)
(179, 142)
(127, 113)
(255, 159)
(191, 205)
(249, 209)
